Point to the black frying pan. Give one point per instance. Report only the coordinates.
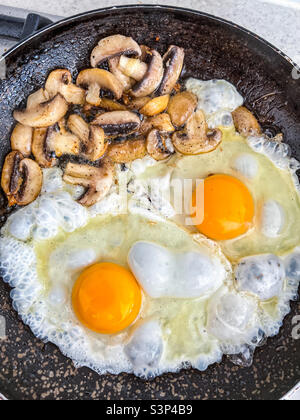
(214, 48)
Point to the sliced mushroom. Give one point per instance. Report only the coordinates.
(10, 179)
(60, 81)
(160, 122)
(159, 145)
(126, 81)
(37, 98)
(93, 80)
(61, 141)
(152, 78)
(114, 46)
(41, 149)
(133, 68)
(128, 151)
(181, 107)
(32, 181)
(45, 114)
(21, 179)
(156, 106)
(173, 61)
(97, 180)
(91, 112)
(245, 122)
(92, 137)
(21, 139)
(118, 123)
(196, 138)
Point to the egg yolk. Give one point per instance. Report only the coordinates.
(228, 208)
(106, 298)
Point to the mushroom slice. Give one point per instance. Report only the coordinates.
(181, 107)
(21, 139)
(245, 122)
(156, 106)
(159, 145)
(152, 78)
(133, 68)
(92, 137)
(45, 114)
(32, 181)
(21, 179)
(97, 180)
(60, 81)
(196, 138)
(41, 149)
(10, 179)
(114, 46)
(61, 141)
(118, 123)
(96, 79)
(128, 151)
(173, 62)
(126, 81)
(37, 98)
(161, 122)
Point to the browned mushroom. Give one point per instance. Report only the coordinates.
(161, 122)
(114, 46)
(93, 80)
(21, 180)
(60, 81)
(197, 138)
(128, 151)
(37, 98)
(118, 123)
(21, 139)
(152, 78)
(92, 137)
(181, 107)
(155, 106)
(44, 114)
(159, 145)
(133, 68)
(96, 180)
(126, 81)
(41, 149)
(60, 141)
(173, 61)
(245, 122)
(110, 105)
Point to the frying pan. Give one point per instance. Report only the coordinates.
(214, 49)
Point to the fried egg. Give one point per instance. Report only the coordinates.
(128, 286)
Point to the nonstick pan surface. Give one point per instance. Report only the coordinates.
(215, 49)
